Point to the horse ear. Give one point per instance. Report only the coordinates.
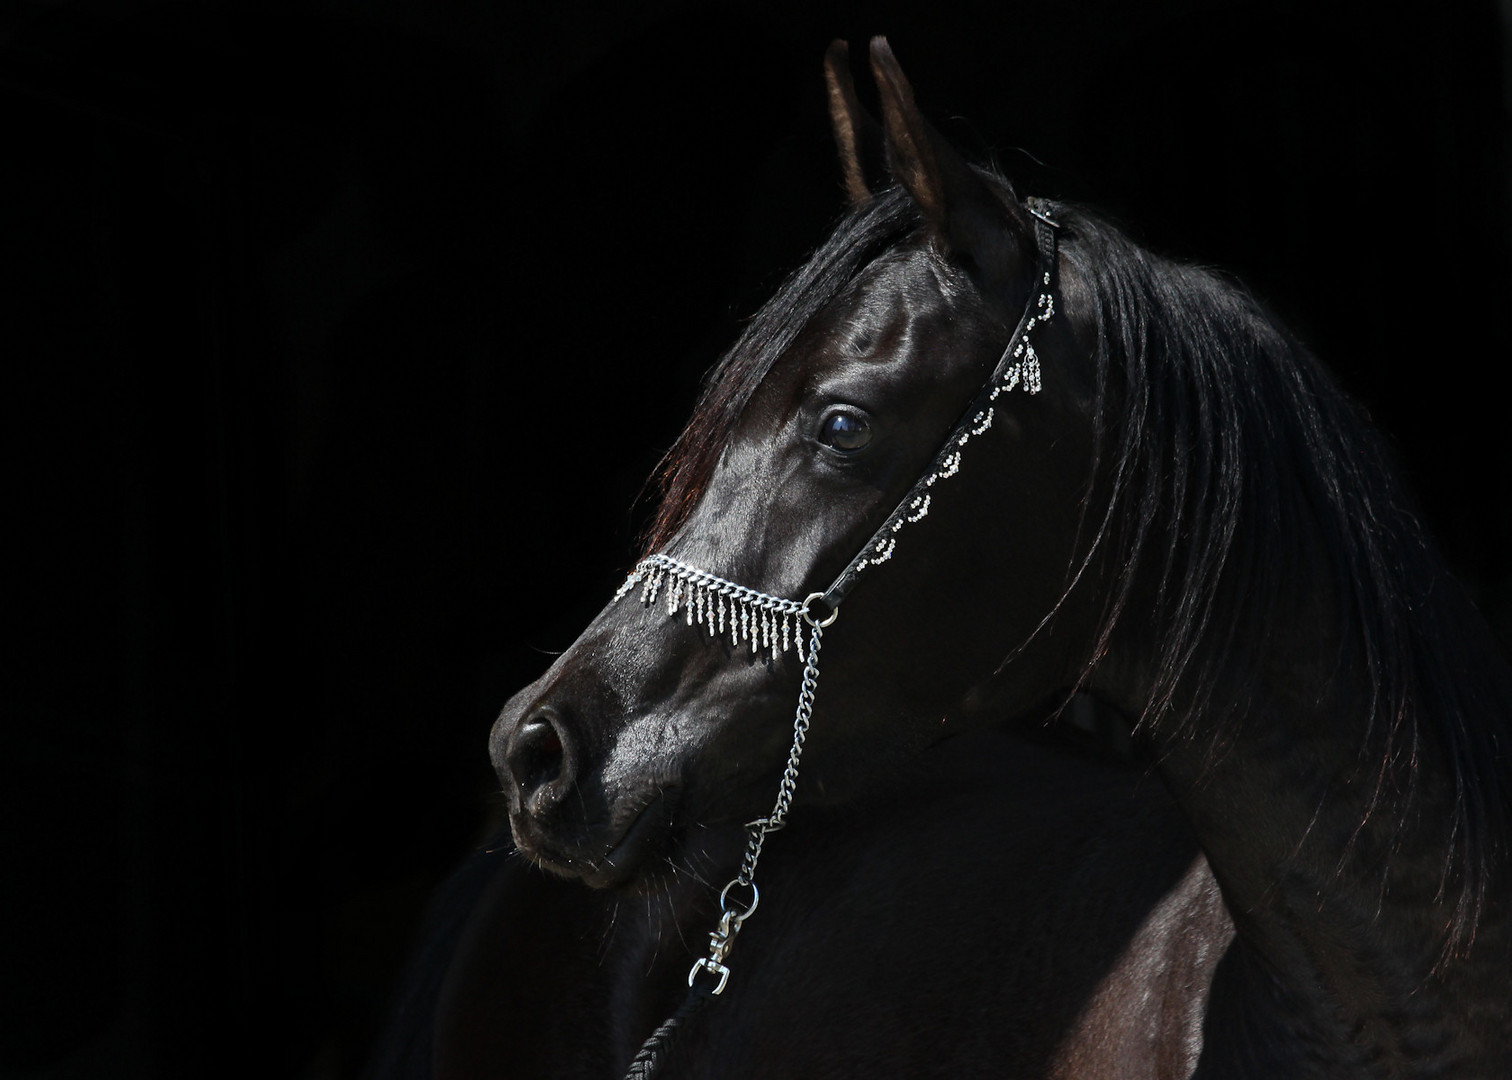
(858, 136)
(965, 216)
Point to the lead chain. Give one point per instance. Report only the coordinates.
(732, 914)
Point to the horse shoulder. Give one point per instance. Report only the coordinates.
(1146, 1017)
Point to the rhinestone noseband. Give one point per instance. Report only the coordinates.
(773, 624)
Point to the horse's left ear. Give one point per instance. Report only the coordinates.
(966, 218)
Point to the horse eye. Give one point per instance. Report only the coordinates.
(845, 431)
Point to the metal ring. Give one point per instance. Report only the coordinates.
(804, 610)
(724, 893)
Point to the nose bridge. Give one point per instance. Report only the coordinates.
(747, 525)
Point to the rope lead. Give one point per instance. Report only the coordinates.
(654, 1051)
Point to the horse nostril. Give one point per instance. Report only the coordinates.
(541, 760)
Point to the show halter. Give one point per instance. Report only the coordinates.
(772, 623)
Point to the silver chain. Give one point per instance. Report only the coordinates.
(650, 574)
(732, 914)
(778, 817)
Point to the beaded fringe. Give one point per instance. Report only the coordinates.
(764, 622)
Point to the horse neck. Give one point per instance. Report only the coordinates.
(1337, 837)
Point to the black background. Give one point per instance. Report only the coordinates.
(338, 339)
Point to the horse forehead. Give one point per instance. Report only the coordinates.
(905, 286)
(901, 303)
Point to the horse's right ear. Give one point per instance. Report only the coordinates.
(858, 136)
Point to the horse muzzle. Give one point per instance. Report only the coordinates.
(560, 812)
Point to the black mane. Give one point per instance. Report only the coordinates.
(1239, 470)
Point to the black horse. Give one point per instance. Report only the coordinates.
(1155, 498)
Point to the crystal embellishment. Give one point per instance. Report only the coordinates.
(1023, 373)
(765, 622)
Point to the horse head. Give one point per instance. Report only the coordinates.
(832, 406)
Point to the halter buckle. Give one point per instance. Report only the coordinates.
(1037, 208)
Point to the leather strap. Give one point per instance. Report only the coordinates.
(1044, 279)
